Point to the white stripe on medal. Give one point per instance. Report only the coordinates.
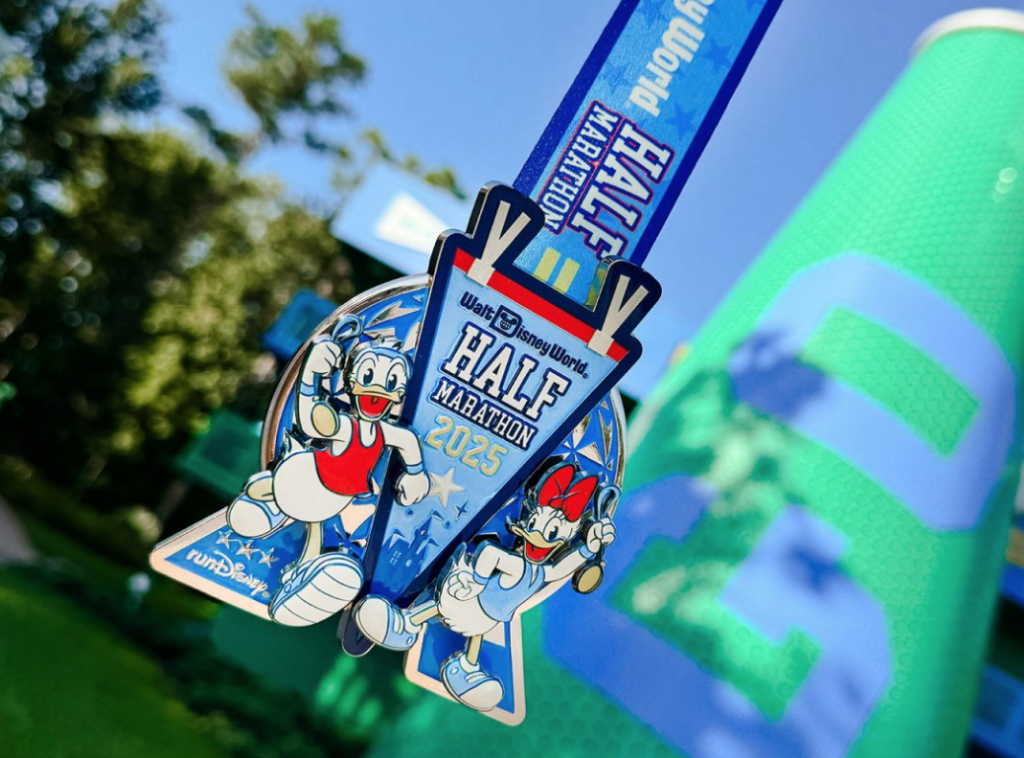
(498, 240)
(618, 311)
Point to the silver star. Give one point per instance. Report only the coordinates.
(606, 436)
(381, 336)
(224, 538)
(393, 311)
(590, 452)
(412, 338)
(580, 430)
(246, 549)
(444, 486)
(268, 557)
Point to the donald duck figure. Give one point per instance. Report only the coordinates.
(480, 591)
(314, 483)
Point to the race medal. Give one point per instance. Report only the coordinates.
(445, 451)
(246, 571)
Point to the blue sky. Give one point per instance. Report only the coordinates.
(821, 69)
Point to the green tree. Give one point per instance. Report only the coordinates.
(371, 146)
(137, 270)
(72, 282)
(290, 78)
(204, 328)
(282, 73)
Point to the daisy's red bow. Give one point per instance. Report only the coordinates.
(558, 490)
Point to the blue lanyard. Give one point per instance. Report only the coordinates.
(629, 131)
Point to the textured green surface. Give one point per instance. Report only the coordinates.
(933, 186)
(360, 696)
(847, 345)
(922, 188)
(675, 590)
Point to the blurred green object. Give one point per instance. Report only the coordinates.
(7, 392)
(224, 455)
(300, 659)
(73, 687)
(359, 697)
(817, 502)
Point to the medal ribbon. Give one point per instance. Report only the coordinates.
(629, 131)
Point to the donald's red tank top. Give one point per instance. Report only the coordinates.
(349, 472)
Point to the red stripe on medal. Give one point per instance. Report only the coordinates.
(538, 305)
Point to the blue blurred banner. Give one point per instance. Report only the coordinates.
(395, 217)
(999, 718)
(296, 322)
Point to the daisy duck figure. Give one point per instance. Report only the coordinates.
(317, 481)
(479, 591)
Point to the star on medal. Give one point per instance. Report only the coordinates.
(246, 549)
(444, 486)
